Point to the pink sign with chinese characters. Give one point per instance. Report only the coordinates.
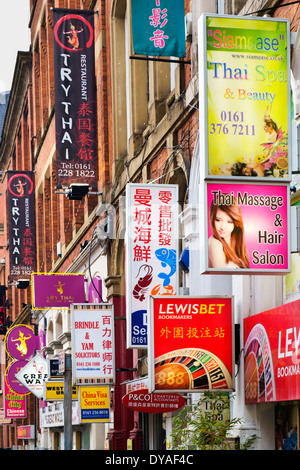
(151, 252)
(92, 344)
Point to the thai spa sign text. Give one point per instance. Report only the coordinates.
(245, 95)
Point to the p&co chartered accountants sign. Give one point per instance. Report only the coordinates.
(191, 344)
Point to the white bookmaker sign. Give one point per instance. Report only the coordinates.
(93, 353)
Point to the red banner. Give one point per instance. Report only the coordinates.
(272, 363)
(190, 344)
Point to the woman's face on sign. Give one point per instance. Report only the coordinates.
(224, 225)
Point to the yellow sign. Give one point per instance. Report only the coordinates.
(247, 93)
(94, 404)
(55, 391)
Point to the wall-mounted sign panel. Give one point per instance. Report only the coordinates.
(191, 344)
(93, 347)
(246, 228)
(244, 70)
(75, 97)
(271, 355)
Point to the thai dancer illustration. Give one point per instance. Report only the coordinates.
(22, 347)
(73, 39)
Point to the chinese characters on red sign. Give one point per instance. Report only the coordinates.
(191, 343)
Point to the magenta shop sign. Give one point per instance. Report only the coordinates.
(50, 291)
(21, 342)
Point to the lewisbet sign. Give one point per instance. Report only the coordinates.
(191, 344)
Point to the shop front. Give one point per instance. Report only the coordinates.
(272, 367)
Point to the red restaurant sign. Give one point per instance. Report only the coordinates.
(145, 402)
(272, 361)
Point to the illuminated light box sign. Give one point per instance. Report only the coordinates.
(191, 344)
(151, 250)
(245, 96)
(246, 228)
(271, 355)
(51, 291)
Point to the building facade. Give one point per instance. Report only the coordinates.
(148, 132)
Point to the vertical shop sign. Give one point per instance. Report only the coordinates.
(158, 27)
(245, 93)
(271, 355)
(151, 252)
(14, 403)
(21, 223)
(75, 98)
(93, 344)
(191, 344)
(251, 217)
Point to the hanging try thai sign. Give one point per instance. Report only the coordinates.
(158, 27)
(191, 344)
(151, 252)
(21, 223)
(245, 96)
(75, 98)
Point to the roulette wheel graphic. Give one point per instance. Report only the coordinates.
(188, 369)
(259, 373)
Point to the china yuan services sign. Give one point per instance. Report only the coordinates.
(244, 64)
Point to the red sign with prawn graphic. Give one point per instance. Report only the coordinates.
(151, 252)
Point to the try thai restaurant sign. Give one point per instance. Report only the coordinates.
(151, 249)
(246, 228)
(271, 355)
(245, 96)
(21, 223)
(191, 344)
(75, 97)
(158, 27)
(50, 291)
